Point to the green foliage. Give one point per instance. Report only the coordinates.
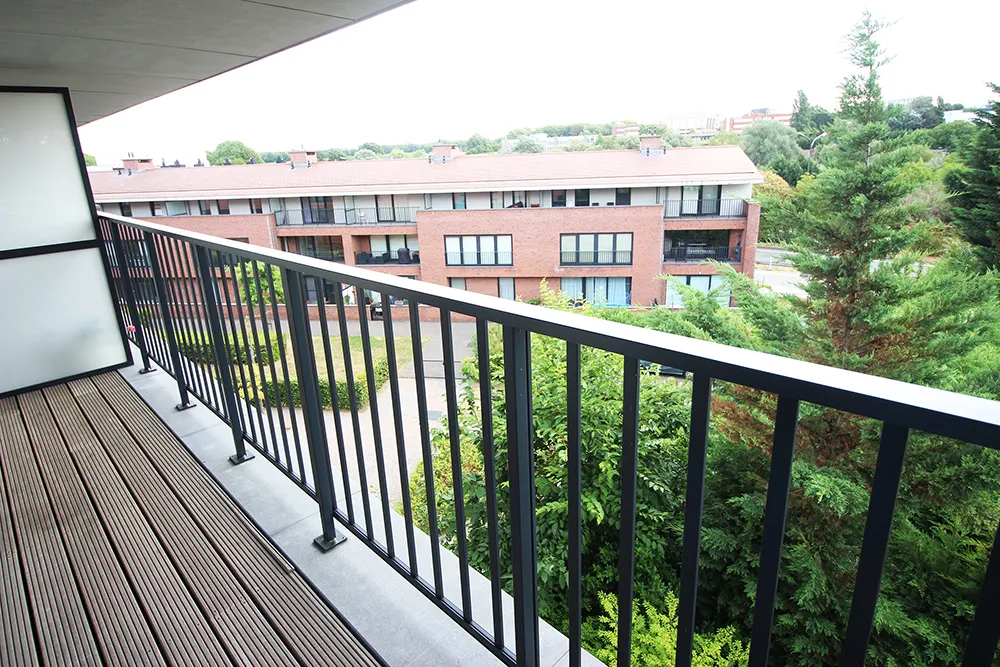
(672, 139)
(766, 140)
(724, 139)
(90, 160)
(954, 137)
(477, 144)
(616, 142)
(919, 113)
(527, 145)
(789, 169)
(976, 188)
(654, 637)
(236, 151)
(331, 155)
(769, 194)
(264, 282)
(272, 157)
(201, 351)
(365, 154)
(279, 390)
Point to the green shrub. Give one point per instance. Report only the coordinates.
(200, 351)
(381, 368)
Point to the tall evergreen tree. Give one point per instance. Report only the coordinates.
(976, 208)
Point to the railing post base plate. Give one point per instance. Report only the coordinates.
(324, 544)
(181, 407)
(143, 371)
(236, 459)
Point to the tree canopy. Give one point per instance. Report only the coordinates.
(90, 160)
(768, 139)
(236, 152)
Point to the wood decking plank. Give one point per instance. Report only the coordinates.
(61, 623)
(309, 626)
(122, 634)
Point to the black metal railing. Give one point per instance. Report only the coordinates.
(401, 256)
(711, 208)
(720, 253)
(479, 258)
(325, 256)
(590, 257)
(394, 215)
(223, 334)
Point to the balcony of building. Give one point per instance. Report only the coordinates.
(328, 248)
(700, 207)
(684, 247)
(377, 216)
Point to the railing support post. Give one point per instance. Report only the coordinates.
(520, 453)
(297, 314)
(223, 362)
(168, 322)
(125, 280)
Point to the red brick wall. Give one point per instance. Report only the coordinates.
(535, 233)
(257, 228)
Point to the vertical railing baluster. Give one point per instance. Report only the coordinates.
(458, 494)
(147, 294)
(875, 544)
(520, 454)
(775, 512)
(127, 291)
(185, 320)
(188, 288)
(985, 633)
(626, 526)
(259, 389)
(296, 310)
(574, 496)
(383, 485)
(427, 456)
(229, 340)
(210, 373)
(168, 325)
(270, 343)
(331, 376)
(397, 420)
(694, 502)
(490, 473)
(283, 360)
(359, 449)
(223, 366)
(245, 358)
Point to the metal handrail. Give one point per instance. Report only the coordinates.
(727, 207)
(382, 215)
(479, 258)
(721, 253)
(408, 256)
(595, 257)
(900, 406)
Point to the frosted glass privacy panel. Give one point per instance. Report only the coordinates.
(58, 318)
(42, 195)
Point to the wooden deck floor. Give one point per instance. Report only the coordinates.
(117, 548)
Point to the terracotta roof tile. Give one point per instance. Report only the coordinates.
(466, 173)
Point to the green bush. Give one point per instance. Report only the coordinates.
(381, 368)
(200, 351)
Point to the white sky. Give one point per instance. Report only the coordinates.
(447, 68)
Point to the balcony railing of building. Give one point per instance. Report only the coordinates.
(355, 216)
(400, 256)
(683, 254)
(210, 309)
(595, 257)
(479, 258)
(705, 208)
(325, 256)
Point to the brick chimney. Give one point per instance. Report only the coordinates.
(445, 152)
(301, 158)
(651, 144)
(134, 164)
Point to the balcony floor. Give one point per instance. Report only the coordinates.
(117, 547)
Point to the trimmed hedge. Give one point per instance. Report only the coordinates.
(381, 368)
(201, 351)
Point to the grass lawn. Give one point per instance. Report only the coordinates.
(404, 354)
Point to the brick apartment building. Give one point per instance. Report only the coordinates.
(603, 225)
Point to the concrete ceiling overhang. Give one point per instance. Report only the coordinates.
(113, 54)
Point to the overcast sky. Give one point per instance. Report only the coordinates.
(448, 68)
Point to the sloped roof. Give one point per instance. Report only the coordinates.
(466, 173)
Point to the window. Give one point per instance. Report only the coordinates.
(204, 207)
(558, 198)
(595, 249)
(155, 208)
(428, 203)
(496, 200)
(223, 205)
(456, 283)
(486, 250)
(126, 209)
(581, 197)
(458, 201)
(704, 284)
(393, 248)
(518, 200)
(176, 207)
(505, 288)
(256, 206)
(318, 210)
(321, 247)
(611, 291)
(623, 196)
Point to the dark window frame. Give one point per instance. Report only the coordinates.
(259, 208)
(590, 297)
(152, 209)
(454, 201)
(223, 210)
(576, 197)
(614, 250)
(623, 196)
(126, 208)
(563, 199)
(513, 283)
(479, 252)
(204, 207)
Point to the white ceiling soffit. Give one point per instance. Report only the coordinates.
(113, 54)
